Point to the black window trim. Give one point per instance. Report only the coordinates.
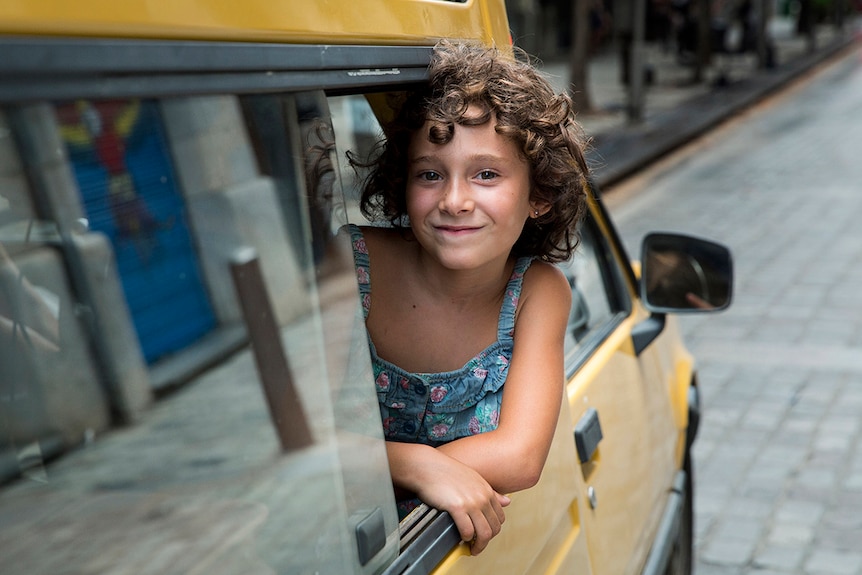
(37, 68)
(427, 536)
(579, 356)
(614, 283)
(618, 299)
(613, 234)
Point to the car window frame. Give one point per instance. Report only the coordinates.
(619, 298)
(66, 68)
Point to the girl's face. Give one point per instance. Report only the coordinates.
(467, 199)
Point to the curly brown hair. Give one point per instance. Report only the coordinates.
(526, 109)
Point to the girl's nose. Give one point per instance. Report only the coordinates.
(456, 198)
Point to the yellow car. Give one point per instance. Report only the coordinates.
(184, 369)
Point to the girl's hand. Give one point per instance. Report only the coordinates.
(475, 507)
(447, 484)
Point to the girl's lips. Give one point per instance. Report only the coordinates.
(456, 229)
(454, 232)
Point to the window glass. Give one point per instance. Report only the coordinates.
(357, 132)
(120, 156)
(592, 289)
(367, 484)
(248, 458)
(44, 348)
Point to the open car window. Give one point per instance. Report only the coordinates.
(598, 295)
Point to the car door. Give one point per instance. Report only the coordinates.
(623, 428)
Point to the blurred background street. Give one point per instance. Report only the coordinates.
(778, 463)
(680, 99)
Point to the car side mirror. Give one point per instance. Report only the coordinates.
(684, 274)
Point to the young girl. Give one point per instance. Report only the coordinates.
(481, 178)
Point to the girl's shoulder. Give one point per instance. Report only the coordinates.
(545, 282)
(545, 275)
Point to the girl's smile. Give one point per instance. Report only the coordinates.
(457, 230)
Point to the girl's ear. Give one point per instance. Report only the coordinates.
(539, 208)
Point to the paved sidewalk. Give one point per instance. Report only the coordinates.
(676, 110)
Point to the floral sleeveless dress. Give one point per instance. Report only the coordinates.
(435, 408)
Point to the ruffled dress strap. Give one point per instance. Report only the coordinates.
(506, 325)
(363, 266)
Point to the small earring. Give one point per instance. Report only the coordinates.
(536, 212)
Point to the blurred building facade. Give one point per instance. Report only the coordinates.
(544, 28)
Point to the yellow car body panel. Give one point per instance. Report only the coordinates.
(673, 363)
(630, 470)
(543, 532)
(381, 22)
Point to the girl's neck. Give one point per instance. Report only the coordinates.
(486, 283)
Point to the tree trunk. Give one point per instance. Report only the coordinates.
(579, 88)
(704, 39)
(765, 49)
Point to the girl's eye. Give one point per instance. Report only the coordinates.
(429, 176)
(487, 175)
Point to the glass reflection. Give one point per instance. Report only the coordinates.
(197, 480)
(682, 273)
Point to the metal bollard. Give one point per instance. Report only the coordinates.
(285, 407)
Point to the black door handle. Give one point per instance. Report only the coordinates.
(588, 434)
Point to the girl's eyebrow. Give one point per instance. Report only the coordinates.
(472, 158)
(487, 158)
(421, 159)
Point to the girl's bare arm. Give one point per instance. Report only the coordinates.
(511, 457)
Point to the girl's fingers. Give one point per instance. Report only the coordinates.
(475, 507)
(484, 533)
(488, 523)
(465, 527)
(499, 503)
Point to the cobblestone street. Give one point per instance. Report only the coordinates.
(779, 456)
